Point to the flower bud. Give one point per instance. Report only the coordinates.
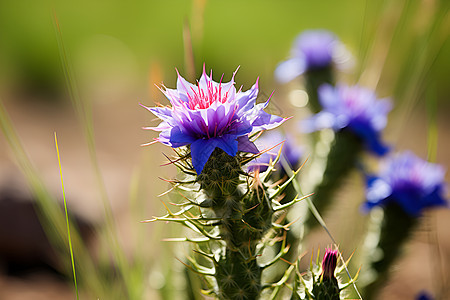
(329, 263)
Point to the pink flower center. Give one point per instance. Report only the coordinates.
(204, 98)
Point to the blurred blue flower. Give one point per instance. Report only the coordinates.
(312, 50)
(209, 115)
(410, 182)
(354, 108)
(424, 296)
(273, 141)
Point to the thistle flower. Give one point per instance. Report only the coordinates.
(321, 282)
(327, 287)
(329, 263)
(274, 140)
(405, 186)
(233, 212)
(353, 108)
(211, 115)
(312, 50)
(408, 181)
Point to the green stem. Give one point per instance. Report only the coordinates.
(340, 161)
(313, 80)
(395, 229)
(245, 215)
(238, 276)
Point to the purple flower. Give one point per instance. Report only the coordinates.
(209, 115)
(312, 50)
(329, 263)
(273, 141)
(410, 182)
(354, 108)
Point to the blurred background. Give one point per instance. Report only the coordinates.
(117, 52)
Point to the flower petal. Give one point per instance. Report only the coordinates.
(290, 69)
(201, 149)
(179, 138)
(245, 145)
(265, 121)
(210, 115)
(184, 88)
(246, 100)
(328, 97)
(161, 127)
(228, 143)
(200, 152)
(164, 113)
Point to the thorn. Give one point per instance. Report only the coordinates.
(149, 143)
(286, 227)
(170, 161)
(149, 220)
(286, 261)
(168, 210)
(166, 192)
(168, 180)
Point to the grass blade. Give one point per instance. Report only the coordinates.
(67, 218)
(84, 113)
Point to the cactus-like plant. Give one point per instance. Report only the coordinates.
(357, 117)
(210, 126)
(405, 187)
(320, 281)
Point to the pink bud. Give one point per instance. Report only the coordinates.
(329, 263)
